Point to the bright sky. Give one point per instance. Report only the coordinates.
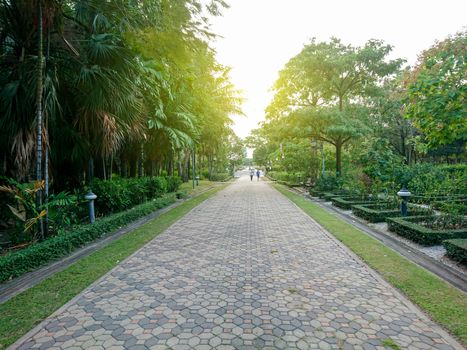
(260, 36)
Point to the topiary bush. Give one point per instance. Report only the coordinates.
(456, 249)
(379, 212)
(347, 202)
(428, 230)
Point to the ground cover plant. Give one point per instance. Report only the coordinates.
(444, 303)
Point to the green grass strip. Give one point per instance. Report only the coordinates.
(444, 303)
(21, 313)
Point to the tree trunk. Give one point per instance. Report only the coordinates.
(140, 161)
(210, 166)
(338, 158)
(39, 88)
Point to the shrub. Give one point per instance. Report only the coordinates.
(328, 183)
(379, 212)
(19, 262)
(121, 194)
(347, 202)
(173, 183)
(419, 230)
(286, 178)
(456, 249)
(220, 177)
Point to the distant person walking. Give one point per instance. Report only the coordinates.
(258, 173)
(252, 173)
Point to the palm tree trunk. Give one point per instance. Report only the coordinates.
(39, 88)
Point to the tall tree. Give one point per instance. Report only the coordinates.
(330, 79)
(437, 90)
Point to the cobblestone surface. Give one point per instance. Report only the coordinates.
(244, 270)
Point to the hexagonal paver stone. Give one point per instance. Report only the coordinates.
(245, 269)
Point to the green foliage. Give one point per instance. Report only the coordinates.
(220, 177)
(437, 92)
(328, 183)
(17, 263)
(287, 178)
(121, 194)
(347, 202)
(456, 249)
(60, 209)
(428, 230)
(430, 179)
(379, 161)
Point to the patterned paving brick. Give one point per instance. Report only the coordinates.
(244, 270)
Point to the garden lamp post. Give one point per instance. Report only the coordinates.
(404, 194)
(197, 180)
(90, 197)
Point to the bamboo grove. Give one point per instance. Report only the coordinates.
(91, 88)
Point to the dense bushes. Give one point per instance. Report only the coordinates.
(428, 230)
(17, 263)
(220, 177)
(290, 179)
(456, 249)
(429, 179)
(121, 194)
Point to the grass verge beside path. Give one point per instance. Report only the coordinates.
(444, 303)
(21, 313)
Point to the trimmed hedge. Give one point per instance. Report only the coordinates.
(17, 263)
(347, 202)
(337, 193)
(456, 249)
(379, 212)
(120, 194)
(221, 177)
(410, 228)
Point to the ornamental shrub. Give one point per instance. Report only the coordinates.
(420, 229)
(456, 249)
(19, 262)
(121, 194)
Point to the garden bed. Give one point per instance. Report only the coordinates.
(456, 249)
(428, 230)
(379, 212)
(347, 202)
(16, 263)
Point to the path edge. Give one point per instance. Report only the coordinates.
(41, 324)
(405, 299)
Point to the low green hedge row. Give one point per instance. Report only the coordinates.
(378, 213)
(221, 177)
(17, 263)
(123, 193)
(347, 202)
(410, 228)
(456, 249)
(337, 193)
(286, 178)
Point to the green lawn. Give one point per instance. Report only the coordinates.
(23, 312)
(187, 187)
(444, 303)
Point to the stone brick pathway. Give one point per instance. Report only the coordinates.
(244, 270)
